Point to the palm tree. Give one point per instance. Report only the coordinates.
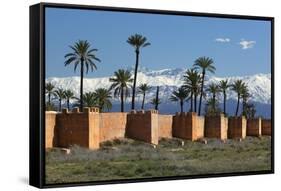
(49, 88)
(68, 95)
(83, 55)
(179, 95)
(192, 79)
(89, 99)
(102, 97)
(137, 41)
(155, 102)
(224, 85)
(237, 86)
(250, 110)
(206, 65)
(143, 88)
(59, 93)
(121, 82)
(213, 89)
(245, 95)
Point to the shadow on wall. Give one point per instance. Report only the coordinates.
(89, 128)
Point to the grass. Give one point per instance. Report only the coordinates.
(126, 159)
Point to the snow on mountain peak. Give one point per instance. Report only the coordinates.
(169, 79)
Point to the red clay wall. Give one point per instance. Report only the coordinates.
(216, 127)
(143, 126)
(224, 127)
(89, 128)
(165, 123)
(181, 126)
(237, 127)
(254, 127)
(266, 127)
(112, 125)
(188, 126)
(198, 128)
(50, 133)
(78, 128)
(94, 128)
(154, 127)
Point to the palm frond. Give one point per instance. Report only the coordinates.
(82, 52)
(137, 41)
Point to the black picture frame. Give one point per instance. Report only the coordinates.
(37, 91)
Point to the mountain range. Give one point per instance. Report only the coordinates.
(169, 80)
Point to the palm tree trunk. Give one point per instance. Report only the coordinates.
(100, 108)
(244, 107)
(237, 108)
(122, 99)
(214, 102)
(195, 102)
(191, 102)
(201, 92)
(49, 98)
(135, 80)
(68, 104)
(60, 105)
(142, 105)
(157, 98)
(81, 84)
(181, 104)
(224, 102)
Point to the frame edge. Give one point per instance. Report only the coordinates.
(35, 128)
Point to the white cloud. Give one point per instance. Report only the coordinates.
(222, 40)
(247, 44)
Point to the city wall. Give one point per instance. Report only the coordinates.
(112, 125)
(266, 127)
(78, 128)
(89, 128)
(254, 127)
(216, 127)
(165, 123)
(188, 126)
(143, 126)
(50, 134)
(237, 127)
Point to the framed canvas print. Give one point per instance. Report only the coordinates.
(123, 95)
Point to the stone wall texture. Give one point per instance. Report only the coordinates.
(112, 125)
(188, 126)
(143, 126)
(50, 130)
(198, 129)
(237, 127)
(89, 128)
(165, 123)
(266, 127)
(216, 127)
(78, 128)
(254, 127)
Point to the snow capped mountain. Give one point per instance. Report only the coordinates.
(259, 86)
(170, 79)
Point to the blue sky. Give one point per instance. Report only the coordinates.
(238, 47)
